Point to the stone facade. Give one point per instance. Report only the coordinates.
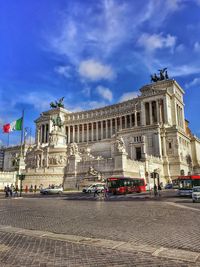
(133, 138)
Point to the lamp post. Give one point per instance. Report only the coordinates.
(21, 177)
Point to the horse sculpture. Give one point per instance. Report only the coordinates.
(163, 75)
(57, 104)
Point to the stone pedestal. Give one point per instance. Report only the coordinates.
(120, 161)
(57, 139)
(71, 177)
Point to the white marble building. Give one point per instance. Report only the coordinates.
(133, 138)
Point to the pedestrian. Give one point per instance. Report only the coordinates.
(96, 192)
(6, 191)
(106, 191)
(159, 189)
(35, 188)
(16, 190)
(155, 190)
(11, 190)
(31, 189)
(26, 189)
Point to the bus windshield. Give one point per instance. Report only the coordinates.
(186, 184)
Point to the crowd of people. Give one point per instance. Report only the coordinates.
(14, 190)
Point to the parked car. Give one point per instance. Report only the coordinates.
(196, 194)
(169, 186)
(52, 190)
(91, 188)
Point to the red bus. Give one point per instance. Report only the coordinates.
(125, 185)
(186, 183)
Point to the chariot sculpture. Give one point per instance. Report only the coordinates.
(163, 75)
(57, 104)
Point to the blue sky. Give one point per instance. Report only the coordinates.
(94, 53)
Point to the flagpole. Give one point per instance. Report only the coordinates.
(8, 139)
(21, 154)
(22, 133)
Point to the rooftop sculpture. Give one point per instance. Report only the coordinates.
(163, 75)
(57, 104)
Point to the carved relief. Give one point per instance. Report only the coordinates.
(72, 149)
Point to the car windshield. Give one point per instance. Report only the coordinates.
(196, 189)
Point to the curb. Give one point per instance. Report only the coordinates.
(161, 252)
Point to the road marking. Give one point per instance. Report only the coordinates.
(181, 206)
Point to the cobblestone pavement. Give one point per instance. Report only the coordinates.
(21, 251)
(166, 222)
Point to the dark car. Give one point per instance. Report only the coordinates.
(169, 186)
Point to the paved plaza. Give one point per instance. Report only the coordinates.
(77, 230)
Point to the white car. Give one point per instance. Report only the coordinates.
(196, 194)
(92, 187)
(52, 190)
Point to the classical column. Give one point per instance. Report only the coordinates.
(68, 134)
(106, 129)
(44, 133)
(157, 111)
(87, 132)
(83, 134)
(130, 119)
(111, 128)
(78, 133)
(136, 118)
(165, 111)
(120, 119)
(150, 112)
(125, 121)
(101, 130)
(116, 125)
(143, 114)
(41, 133)
(73, 134)
(97, 131)
(92, 129)
(160, 111)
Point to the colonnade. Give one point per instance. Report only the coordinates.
(154, 112)
(43, 133)
(103, 129)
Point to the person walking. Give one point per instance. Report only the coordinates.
(159, 190)
(6, 191)
(106, 192)
(16, 190)
(96, 192)
(26, 189)
(11, 190)
(155, 190)
(35, 188)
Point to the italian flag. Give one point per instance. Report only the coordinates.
(13, 126)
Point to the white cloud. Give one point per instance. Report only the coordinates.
(128, 96)
(106, 93)
(94, 71)
(197, 47)
(87, 105)
(180, 48)
(156, 12)
(86, 91)
(183, 70)
(63, 70)
(39, 100)
(152, 42)
(195, 82)
(198, 2)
